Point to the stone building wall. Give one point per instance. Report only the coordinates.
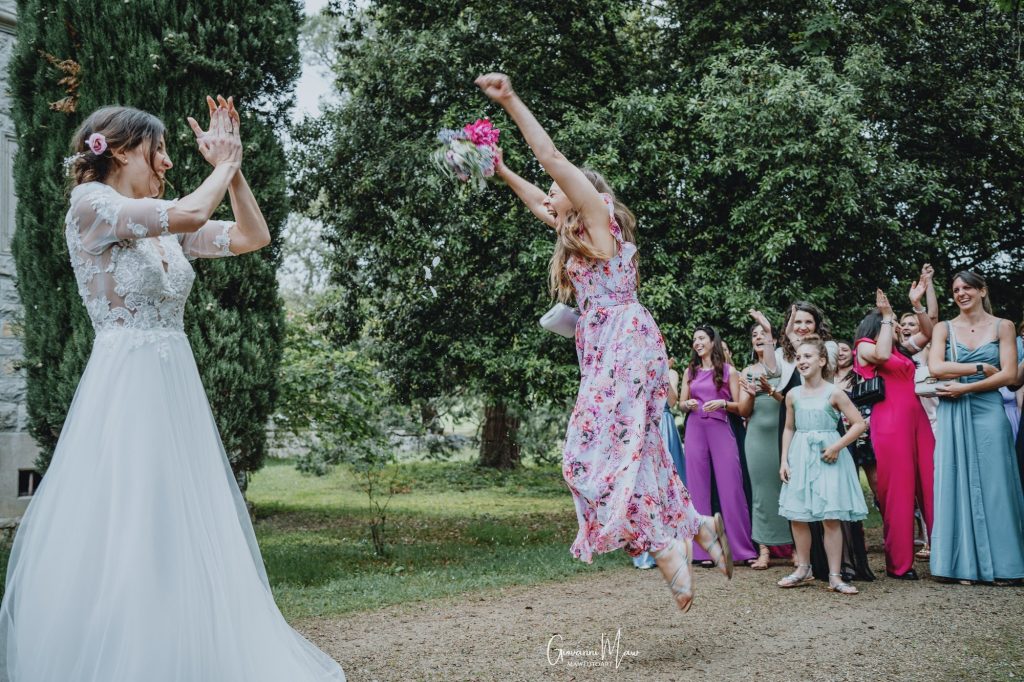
(17, 449)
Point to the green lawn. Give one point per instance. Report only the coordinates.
(452, 529)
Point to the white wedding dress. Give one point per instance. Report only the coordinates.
(136, 560)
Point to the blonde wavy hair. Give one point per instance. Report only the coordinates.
(818, 344)
(570, 242)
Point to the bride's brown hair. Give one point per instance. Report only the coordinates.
(570, 238)
(124, 128)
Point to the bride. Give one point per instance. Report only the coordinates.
(136, 559)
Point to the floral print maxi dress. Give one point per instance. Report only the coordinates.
(624, 485)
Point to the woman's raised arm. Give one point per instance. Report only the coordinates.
(583, 195)
(528, 193)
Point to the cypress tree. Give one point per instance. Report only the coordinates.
(162, 56)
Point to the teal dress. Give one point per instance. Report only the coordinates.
(978, 533)
(818, 491)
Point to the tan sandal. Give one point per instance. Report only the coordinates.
(841, 587)
(723, 560)
(761, 563)
(924, 553)
(798, 577)
(681, 583)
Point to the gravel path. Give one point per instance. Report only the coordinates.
(744, 630)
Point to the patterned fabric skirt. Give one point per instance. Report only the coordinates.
(623, 481)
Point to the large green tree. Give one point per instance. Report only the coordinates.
(772, 151)
(74, 56)
(833, 149)
(467, 321)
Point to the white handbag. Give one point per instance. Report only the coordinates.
(924, 383)
(561, 319)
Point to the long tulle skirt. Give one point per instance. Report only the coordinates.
(136, 559)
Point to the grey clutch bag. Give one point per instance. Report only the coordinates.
(561, 319)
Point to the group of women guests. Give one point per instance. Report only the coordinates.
(768, 449)
(776, 446)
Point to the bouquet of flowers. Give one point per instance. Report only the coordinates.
(469, 154)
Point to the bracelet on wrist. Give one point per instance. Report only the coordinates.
(919, 310)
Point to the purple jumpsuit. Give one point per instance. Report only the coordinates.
(711, 445)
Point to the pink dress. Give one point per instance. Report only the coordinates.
(904, 445)
(624, 485)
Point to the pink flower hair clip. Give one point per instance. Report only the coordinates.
(97, 143)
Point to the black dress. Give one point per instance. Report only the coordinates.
(862, 450)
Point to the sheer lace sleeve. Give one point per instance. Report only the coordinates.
(209, 241)
(105, 217)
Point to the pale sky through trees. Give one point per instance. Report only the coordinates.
(314, 82)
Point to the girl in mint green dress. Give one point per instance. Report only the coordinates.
(819, 478)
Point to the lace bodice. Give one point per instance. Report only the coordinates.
(132, 272)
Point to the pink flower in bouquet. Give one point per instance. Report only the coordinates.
(469, 154)
(482, 133)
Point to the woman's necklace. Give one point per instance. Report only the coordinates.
(987, 323)
(767, 373)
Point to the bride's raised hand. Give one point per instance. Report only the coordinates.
(236, 119)
(221, 143)
(497, 86)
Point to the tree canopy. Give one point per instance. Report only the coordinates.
(772, 152)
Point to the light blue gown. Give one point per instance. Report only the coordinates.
(670, 434)
(979, 507)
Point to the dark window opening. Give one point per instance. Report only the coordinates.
(28, 481)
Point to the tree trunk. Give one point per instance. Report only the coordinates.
(498, 447)
(429, 418)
